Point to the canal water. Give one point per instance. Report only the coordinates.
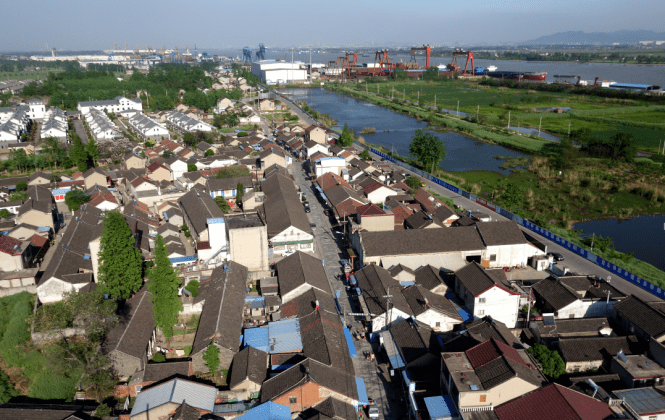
(395, 131)
(643, 235)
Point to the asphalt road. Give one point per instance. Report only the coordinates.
(78, 127)
(571, 260)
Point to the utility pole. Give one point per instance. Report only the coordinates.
(477, 112)
(435, 100)
(568, 129)
(509, 120)
(457, 109)
(388, 309)
(539, 125)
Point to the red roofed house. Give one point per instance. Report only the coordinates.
(103, 200)
(487, 292)
(330, 179)
(141, 184)
(401, 214)
(555, 402)
(315, 133)
(158, 172)
(427, 201)
(12, 255)
(378, 193)
(373, 218)
(489, 374)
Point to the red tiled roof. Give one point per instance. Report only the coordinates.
(154, 166)
(202, 245)
(99, 197)
(39, 241)
(76, 175)
(370, 210)
(185, 153)
(347, 208)
(270, 146)
(401, 186)
(491, 350)
(345, 154)
(314, 127)
(372, 187)
(330, 179)
(7, 244)
(288, 310)
(554, 402)
(138, 181)
(63, 184)
(423, 197)
(401, 214)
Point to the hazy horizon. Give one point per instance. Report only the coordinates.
(74, 26)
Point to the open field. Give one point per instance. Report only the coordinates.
(604, 116)
(27, 74)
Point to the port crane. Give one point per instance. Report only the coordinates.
(261, 53)
(456, 67)
(428, 52)
(382, 63)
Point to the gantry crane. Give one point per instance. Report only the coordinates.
(428, 52)
(382, 64)
(455, 68)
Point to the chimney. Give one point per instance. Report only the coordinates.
(317, 307)
(426, 303)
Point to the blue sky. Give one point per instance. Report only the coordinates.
(97, 24)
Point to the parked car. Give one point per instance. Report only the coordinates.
(555, 255)
(289, 252)
(307, 209)
(373, 412)
(327, 212)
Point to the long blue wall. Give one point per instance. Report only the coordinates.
(624, 274)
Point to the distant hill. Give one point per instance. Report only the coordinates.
(588, 38)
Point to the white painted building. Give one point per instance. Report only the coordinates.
(118, 104)
(506, 244)
(148, 128)
(184, 123)
(274, 72)
(37, 109)
(487, 292)
(100, 125)
(329, 164)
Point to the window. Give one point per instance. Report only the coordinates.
(493, 257)
(438, 324)
(481, 300)
(293, 400)
(481, 312)
(483, 398)
(303, 246)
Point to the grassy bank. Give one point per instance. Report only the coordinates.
(492, 104)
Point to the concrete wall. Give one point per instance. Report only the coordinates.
(159, 198)
(431, 317)
(308, 395)
(36, 218)
(11, 262)
(52, 290)
(378, 223)
(507, 255)
(15, 290)
(380, 195)
(156, 413)
(586, 309)
(582, 366)
(249, 247)
(295, 237)
(134, 162)
(379, 322)
(95, 179)
(501, 305)
(161, 174)
(500, 394)
(38, 337)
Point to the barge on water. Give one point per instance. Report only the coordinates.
(518, 75)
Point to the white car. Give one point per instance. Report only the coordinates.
(289, 252)
(373, 412)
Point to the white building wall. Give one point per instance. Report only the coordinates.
(586, 309)
(380, 195)
(499, 304)
(293, 235)
(379, 322)
(431, 317)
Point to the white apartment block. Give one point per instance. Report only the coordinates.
(147, 128)
(118, 104)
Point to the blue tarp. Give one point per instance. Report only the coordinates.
(440, 408)
(362, 391)
(323, 196)
(349, 343)
(466, 315)
(182, 259)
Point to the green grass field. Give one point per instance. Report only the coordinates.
(27, 74)
(605, 116)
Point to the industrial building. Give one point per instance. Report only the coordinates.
(274, 72)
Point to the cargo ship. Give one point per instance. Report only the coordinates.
(519, 75)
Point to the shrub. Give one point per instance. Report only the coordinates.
(159, 357)
(193, 287)
(7, 390)
(188, 350)
(21, 186)
(243, 134)
(4, 213)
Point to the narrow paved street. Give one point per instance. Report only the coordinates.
(80, 130)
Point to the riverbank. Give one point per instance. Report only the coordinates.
(435, 118)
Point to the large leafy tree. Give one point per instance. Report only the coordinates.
(211, 357)
(79, 154)
(428, 149)
(346, 139)
(550, 360)
(120, 262)
(223, 204)
(75, 198)
(164, 288)
(93, 151)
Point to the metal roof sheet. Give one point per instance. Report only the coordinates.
(395, 358)
(284, 336)
(362, 391)
(440, 408)
(176, 391)
(257, 338)
(268, 411)
(643, 400)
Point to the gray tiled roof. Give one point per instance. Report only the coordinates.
(414, 340)
(501, 233)
(589, 349)
(476, 279)
(301, 268)
(428, 277)
(283, 208)
(135, 326)
(155, 372)
(376, 283)
(415, 297)
(642, 315)
(421, 241)
(248, 364)
(199, 207)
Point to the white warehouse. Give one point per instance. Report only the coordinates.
(273, 72)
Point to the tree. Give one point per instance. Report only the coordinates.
(120, 263)
(427, 148)
(223, 204)
(211, 357)
(191, 167)
(167, 154)
(164, 289)
(75, 198)
(79, 154)
(240, 191)
(209, 152)
(364, 155)
(513, 196)
(346, 139)
(4, 213)
(21, 186)
(232, 172)
(93, 151)
(550, 360)
(623, 147)
(414, 183)
(189, 139)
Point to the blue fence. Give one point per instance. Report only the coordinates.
(624, 274)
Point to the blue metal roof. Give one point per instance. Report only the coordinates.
(466, 315)
(58, 191)
(230, 408)
(349, 343)
(268, 411)
(362, 391)
(643, 400)
(257, 338)
(284, 336)
(440, 408)
(43, 229)
(182, 259)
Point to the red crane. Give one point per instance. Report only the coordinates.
(456, 68)
(382, 62)
(428, 53)
(350, 66)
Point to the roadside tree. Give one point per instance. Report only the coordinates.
(346, 139)
(428, 149)
(120, 263)
(164, 288)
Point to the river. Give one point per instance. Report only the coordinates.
(643, 235)
(623, 73)
(394, 130)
